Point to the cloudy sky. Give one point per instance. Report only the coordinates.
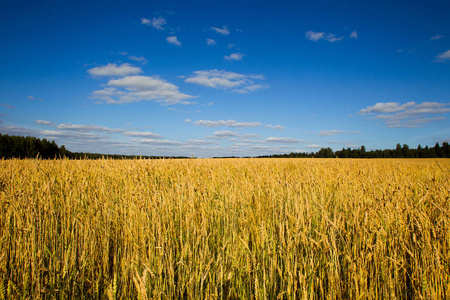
(215, 78)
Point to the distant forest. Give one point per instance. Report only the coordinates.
(12, 146)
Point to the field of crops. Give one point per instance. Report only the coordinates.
(225, 228)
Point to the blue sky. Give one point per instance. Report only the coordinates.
(216, 78)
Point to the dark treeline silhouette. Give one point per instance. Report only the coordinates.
(13, 146)
(399, 152)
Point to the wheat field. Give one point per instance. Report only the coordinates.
(225, 229)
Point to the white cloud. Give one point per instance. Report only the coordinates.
(442, 57)
(332, 38)
(436, 37)
(160, 142)
(200, 142)
(42, 122)
(188, 120)
(115, 70)
(155, 22)
(313, 146)
(239, 83)
(283, 140)
(55, 134)
(222, 135)
(314, 36)
(210, 42)
(388, 107)
(140, 59)
(173, 40)
(234, 56)
(87, 128)
(409, 114)
(275, 127)
(224, 30)
(251, 88)
(142, 134)
(335, 132)
(228, 123)
(141, 88)
(354, 35)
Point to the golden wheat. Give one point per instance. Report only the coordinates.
(225, 228)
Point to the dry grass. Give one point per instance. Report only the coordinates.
(229, 229)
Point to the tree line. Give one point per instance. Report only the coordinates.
(13, 146)
(438, 151)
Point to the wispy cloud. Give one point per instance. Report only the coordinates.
(275, 127)
(160, 142)
(7, 105)
(200, 142)
(354, 35)
(223, 135)
(220, 79)
(114, 70)
(157, 23)
(443, 57)
(283, 140)
(336, 132)
(34, 98)
(409, 114)
(140, 59)
(436, 37)
(210, 42)
(317, 36)
(332, 38)
(43, 122)
(224, 30)
(173, 40)
(314, 36)
(141, 88)
(227, 123)
(234, 56)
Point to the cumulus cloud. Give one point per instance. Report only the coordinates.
(224, 30)
(115, 70)
(173, 40)
(234, 56)
(354, 35)
(409, 114)
(443, 57)
(156, 23)
(239, 83)
(210, 42)
(227, 123)
(336, 132)
(141, 88)
(283, 140)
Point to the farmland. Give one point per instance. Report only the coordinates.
(225, 228)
